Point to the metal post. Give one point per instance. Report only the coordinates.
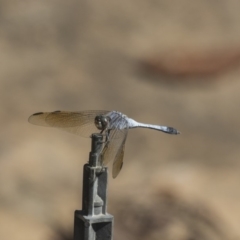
(93, 222)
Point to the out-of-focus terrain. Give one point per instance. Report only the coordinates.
(80, 55)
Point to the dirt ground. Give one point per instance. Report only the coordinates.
(81, 55)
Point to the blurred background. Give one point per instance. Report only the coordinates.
(173, 63)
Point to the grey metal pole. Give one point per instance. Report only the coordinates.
(93, 222)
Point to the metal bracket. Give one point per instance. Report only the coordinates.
(93, 222)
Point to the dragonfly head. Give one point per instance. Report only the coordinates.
(101, 122)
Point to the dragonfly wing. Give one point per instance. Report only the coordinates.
(79, 123)
(114, 148)
(118, 131)
(118, 161)
(111, 146)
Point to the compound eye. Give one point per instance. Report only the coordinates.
(105, 122)
(98, 123)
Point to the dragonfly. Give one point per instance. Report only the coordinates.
(112, 124)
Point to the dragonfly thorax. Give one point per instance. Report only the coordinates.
(102, 122)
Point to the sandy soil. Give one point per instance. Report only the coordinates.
(64, 55)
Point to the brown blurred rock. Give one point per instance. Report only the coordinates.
(186, 63)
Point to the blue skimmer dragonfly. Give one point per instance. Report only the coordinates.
(114, 125)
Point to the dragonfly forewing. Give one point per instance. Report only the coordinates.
(79, 123)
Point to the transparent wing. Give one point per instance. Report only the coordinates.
(79, 123)
(114, 148)
(118, 161)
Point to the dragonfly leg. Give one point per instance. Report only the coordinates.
(107, 133)
(106, 143)
(107, 138)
